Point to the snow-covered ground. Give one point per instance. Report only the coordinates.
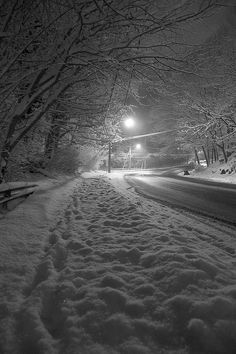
(87, 266)
(214, 172)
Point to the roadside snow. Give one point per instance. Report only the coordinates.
(214, 173)
(87, 266)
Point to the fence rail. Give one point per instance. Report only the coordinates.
(13, 193)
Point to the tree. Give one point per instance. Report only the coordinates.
(204, 95)
(51, 47)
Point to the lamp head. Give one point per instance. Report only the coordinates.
(129, 122)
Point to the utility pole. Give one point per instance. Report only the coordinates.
(130, 157)
(109, 158)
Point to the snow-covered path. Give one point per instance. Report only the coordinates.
(121, 274)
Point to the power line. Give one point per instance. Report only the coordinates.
(144, 135)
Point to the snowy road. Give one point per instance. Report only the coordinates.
(209, 198)
(115, 274)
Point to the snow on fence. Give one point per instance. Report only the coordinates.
(12, 193)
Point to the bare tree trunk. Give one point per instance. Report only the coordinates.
(6, 149)
(4, 163)
(215, 154)
(206, 156)
(52, 138)
(222, 148)
(196, 156)
(212, 155)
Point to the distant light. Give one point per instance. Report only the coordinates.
(129, 122)
(138, 146)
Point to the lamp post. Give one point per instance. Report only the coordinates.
(109, 157)
(129, 123)
(137, 147)
(130, 157)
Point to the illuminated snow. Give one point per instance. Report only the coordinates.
(87, 266)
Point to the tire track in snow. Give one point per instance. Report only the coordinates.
(112, 280)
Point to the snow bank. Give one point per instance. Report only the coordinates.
(214, 172)
(111, 272)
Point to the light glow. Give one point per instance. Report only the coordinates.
(129, 122)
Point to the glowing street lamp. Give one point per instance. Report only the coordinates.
(129, 122)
